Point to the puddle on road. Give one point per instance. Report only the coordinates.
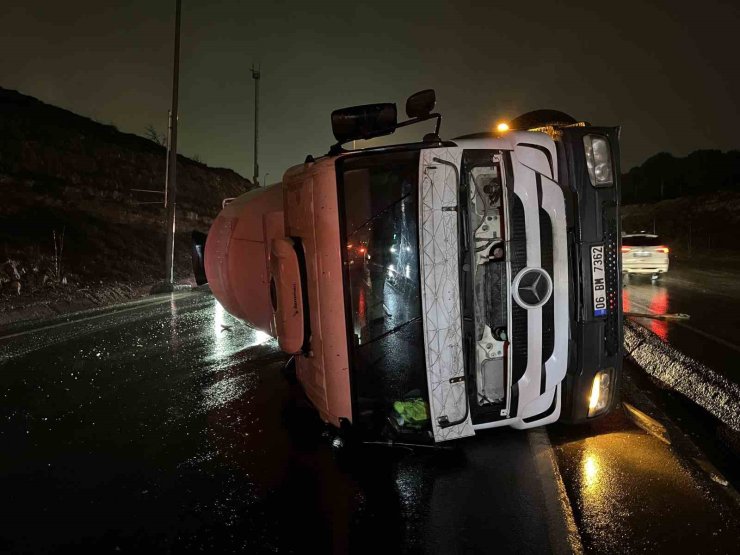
(630, 492)
(227, 390)
(657, 303)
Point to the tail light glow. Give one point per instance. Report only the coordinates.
(663, 249)
(626, 249)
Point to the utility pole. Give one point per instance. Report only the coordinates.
(256, 77)
(167, 161)
(171, 191)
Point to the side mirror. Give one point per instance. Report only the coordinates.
(421, 104)
(198, 255)
(363, 122)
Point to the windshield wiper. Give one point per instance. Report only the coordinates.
(373, 218)
(394, 330)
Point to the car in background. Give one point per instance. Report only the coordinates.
(644, 253)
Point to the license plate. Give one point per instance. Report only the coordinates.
(598, 281)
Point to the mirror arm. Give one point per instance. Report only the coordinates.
(336, 148)
(412, 121)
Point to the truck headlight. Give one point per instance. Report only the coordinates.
(598, 160)
(600, 390)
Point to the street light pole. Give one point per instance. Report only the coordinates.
(171, 194)
(167, 160)
(256, 77)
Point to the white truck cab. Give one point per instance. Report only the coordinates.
(435, 289)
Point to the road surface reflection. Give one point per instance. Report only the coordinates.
(658, 304)
(631, 493)
(711, 299)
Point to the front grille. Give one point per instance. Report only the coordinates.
(548, 310)
(518, 257)
(612, 328)
(492, 288)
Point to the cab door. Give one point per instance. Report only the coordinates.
(439, 235)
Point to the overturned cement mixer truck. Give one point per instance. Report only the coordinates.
(430, 290)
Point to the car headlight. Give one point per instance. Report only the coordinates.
(600, 393)
(598, 160)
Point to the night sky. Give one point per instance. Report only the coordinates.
(667, 72)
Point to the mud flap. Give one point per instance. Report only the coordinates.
(443, 341)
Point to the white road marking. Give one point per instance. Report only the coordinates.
(561, 524)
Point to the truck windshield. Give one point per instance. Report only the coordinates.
(379, 200)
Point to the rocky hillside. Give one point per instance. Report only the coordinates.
(70, 216)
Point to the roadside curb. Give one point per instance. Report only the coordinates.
(697, 382)
(644, 413)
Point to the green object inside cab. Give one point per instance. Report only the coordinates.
(412, 412)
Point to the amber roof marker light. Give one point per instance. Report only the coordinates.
(502, 127)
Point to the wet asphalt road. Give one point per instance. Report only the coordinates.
(636, 486)
(712, 300)
(170, 426)
(167, 425)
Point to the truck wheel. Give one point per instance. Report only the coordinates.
(342, 442)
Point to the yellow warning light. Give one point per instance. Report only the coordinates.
(502, 127)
